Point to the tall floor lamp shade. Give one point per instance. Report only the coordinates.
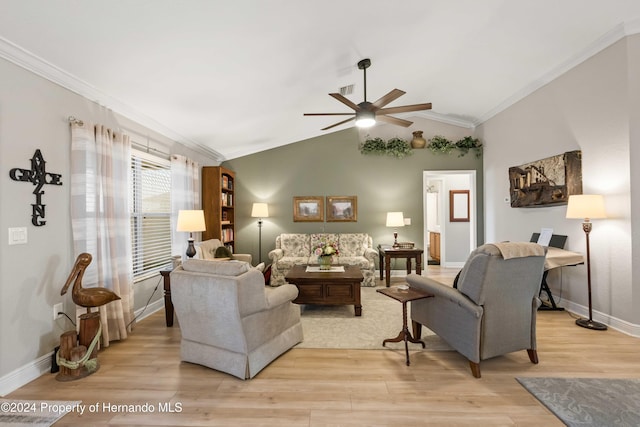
(260, 210)
(586, 207)
(395, 219)
(191, 221)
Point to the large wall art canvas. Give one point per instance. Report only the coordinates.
(546, 182)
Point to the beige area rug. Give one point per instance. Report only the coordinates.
(18, 413)
(337, 327)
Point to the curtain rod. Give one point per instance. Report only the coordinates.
(149, 149)
(144, 147)
(75, 121)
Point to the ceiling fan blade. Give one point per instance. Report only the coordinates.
(391, 96)
(328, 114)
(345, 101)
(405, 108)
(394, 120)
(339, 123)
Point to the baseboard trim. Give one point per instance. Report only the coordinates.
(612, 322)
(25, 374)
(42, 365)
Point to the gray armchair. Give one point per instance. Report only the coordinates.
(493, 309)
(229, 320)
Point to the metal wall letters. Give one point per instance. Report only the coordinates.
(38, 176)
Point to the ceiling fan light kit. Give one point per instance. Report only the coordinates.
(365, 119)
(366, 114)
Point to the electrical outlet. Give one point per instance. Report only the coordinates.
(57, 308)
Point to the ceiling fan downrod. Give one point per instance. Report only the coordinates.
(363, 65)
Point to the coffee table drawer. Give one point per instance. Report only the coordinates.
(310, 292)
(338, 292)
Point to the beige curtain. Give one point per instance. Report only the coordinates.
(100, 165)
(185, 194)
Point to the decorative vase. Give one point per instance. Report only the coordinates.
(325, 262)
(418, 141)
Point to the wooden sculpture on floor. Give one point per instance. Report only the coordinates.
(78, 354)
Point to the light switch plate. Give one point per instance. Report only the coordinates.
(17, 235)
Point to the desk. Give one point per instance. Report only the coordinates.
(168, 305)
(386, 252)
(555, 258)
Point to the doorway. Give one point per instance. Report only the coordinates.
(448, 239)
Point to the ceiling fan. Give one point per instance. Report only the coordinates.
(366, 113)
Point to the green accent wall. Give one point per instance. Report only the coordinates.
(332, 165)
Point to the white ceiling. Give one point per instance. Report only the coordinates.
(236, 76)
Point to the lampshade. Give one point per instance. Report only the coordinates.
(191, 221)
(260, 210)
(395, 219)
(365, 119)
(586, 206)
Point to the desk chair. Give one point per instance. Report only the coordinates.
(557, 241)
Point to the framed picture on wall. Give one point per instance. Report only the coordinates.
(308, 209)
(546, 182)
(459, 205)
(342, 208)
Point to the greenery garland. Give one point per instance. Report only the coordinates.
(394, 147)
(441, 145)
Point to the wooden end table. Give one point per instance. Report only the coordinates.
(404, 296)
(327, 288)
(386, 252)
(168, 304)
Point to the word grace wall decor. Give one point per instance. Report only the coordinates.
(546, 182)
(37, 176)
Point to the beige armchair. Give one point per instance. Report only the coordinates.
(229, 320)
(493, 310)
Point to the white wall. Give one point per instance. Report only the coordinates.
(34, 115)
(587, 108)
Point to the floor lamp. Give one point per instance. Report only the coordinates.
(260, 210)
(191, 221)
(585, 207)
(395, 219)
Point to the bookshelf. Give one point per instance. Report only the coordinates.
(218, 203)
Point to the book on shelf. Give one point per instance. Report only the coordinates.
(227, 182)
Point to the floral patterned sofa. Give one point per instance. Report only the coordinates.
(292, 249)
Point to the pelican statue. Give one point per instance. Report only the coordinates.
(86, 297)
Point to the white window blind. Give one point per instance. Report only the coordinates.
(150, 214)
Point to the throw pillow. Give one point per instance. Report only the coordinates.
(455, 281)
(267, 274)
(222, 252)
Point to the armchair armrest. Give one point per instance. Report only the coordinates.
(444, 291)
(276, 255)
(280, 295)
(242, 257)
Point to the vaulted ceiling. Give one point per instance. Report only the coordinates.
(236, 76)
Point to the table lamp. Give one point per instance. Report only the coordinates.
(191, 221)
(260, 210)
(395, 219)
(586, 207)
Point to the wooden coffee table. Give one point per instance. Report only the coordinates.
(327, 288)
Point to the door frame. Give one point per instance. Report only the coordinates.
(442, 207)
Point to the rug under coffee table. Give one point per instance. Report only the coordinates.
(327, 288)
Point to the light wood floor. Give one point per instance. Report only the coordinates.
(306, 387)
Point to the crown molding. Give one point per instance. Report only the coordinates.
(617, 33)
(445, 118)
(31, 62)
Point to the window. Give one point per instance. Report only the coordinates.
(150, 214)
